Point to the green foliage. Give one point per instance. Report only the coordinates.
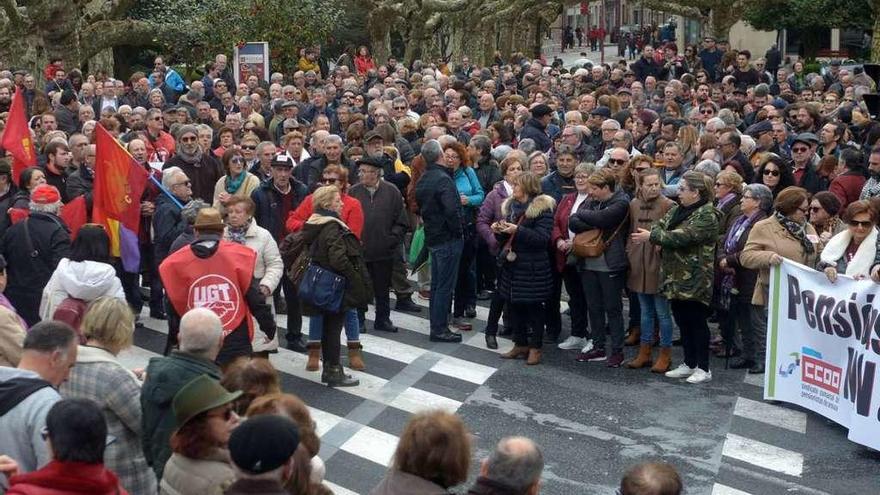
(194, 30)
(808, 14)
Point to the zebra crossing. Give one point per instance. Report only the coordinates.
(359, 426)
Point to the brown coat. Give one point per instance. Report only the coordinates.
(644, 258)
(769, 237)
(11, 338)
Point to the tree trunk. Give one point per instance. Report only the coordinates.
(379, 28)
(875, 41)
(723, 18)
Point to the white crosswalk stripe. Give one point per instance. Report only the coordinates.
(770, 414)
(763, 455)
(368, 441)
(720, 489)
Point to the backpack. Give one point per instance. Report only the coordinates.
(71, 311)
(295, 256)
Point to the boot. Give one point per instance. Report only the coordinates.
(634, 337)
(334, 376)
(355, 359)
(516, 353)
(643, 359)
(280, 304)
(534, 357)
(314, 356)
(663, 362)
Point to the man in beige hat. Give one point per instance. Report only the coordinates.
(218, 275)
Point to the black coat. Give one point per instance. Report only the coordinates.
(535, 130)
(642, 68)
(385, 220)
(606, 215)
(168, 224)
(268, 200)
(203, 175)
(529, 277)
(439, 205)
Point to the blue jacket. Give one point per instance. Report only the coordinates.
(557, 186)
(172, 79)
(536, 131)
(267, 200)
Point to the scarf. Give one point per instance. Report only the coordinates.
(233, 183)
(861, 262)
(237, 234)
(682, 213)
(726, 200)
(798, 230)
(326, 213)
(728, 278)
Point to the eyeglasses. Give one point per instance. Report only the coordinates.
(400, 108)
(616, 161)
(331, 180)
(774, 173)
(815, 209)
(159, 119)
(185, 184)
(188, 139)
(237, 160)
(830, 100)
(248, 147)
(747, 197)
(864, 225)
(581, 177)
(707, 111)
(799, 150)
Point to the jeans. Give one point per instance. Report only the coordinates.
(604, 295)
(444, 271)
(352, 326)
(655, 305)
(466, 283)
(692, 317)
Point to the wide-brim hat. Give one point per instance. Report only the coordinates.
(199, 395)
(209, 219)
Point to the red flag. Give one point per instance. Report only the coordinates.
(17, 137)
(75, 214)
(119, 182)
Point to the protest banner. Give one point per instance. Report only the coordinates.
(250, 59)
(823, 346)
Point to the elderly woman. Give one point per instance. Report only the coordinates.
(433, 455)
(490, 212)
(471, 196)
(603, 276)
(226, 137)
(108, 327)
(824, 214)
(200, 463)
(525, 281)
(237, 181)
(775, 173)
(537, 164)
(853, 250)
(687, 235)
(241, 228)
(735, 284)
(566, 262)
(784, 235)
(334, 247)
(643, 278)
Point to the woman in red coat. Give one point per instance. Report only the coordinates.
(363, 62)
(561, 240)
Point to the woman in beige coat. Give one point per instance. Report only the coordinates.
(237, 182)
(785, 234)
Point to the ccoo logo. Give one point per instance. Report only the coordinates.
(218, 294)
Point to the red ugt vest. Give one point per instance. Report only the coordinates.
(217, 283)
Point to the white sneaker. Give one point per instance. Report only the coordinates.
(572, 343)
(683, 371)
(588, 346)
(700, 376)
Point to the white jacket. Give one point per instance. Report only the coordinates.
(269, 266)
(86, 280)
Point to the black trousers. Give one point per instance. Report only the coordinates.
(604, 294)
(486, 265)
(380, 273)
(577, 301)
(552, 308)
(330, 339)
(465, 284)
(635, 311)
(529, 324)
(692, 317)
(294, 312)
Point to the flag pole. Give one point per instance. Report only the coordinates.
(166, 191)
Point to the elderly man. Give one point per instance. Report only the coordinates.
(33, 248)
(202, 169)
(28, 392)
(168, 224)
(513, 468)
(263, 451)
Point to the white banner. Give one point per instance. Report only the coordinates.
(823, 348)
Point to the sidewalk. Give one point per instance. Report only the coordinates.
(552, 49)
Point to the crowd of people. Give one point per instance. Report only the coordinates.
(673, 183)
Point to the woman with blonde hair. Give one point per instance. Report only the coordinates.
(688, 139)
(108, 327)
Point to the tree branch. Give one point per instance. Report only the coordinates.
(444, 5)
(106, 34)
(10, 7)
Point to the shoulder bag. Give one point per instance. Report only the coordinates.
(320, 287)
(589, 243)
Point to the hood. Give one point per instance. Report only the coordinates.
(537, 206)
(206, 245)
(315, 224)
(500, 189)
(7, 373)
(72, 477)
(85, 280)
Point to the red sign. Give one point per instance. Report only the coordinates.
(821, 374)
(220, 295)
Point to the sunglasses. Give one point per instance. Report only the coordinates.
(329, 181)
(185, 183)
(400, 108)
(616, 161)
(864, 225)
(774, 173)
(248, 147)
(189, 139)
(799, 150)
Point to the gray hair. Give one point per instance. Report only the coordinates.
(698, 181)
(728, 117)
(516, 462)
(333, 138)
(168, 176)
(52, 208)
(432, 151)
(762, 194)
(708, 167)
(200, 331)
(501, 152)
(265, 144)
(205, 127)
(482, 144)
(717, 122)
(527, 146)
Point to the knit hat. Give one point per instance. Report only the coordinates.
(541, 110)
(44, 194)
(263, 443)
(187, 129)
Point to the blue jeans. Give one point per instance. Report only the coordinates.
(652, 304)
(352, 327)
(444, 272)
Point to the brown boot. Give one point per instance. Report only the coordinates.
(643, 359)
(534, 357)
(355, 359)
(516, 353)
(663, 362)
(314, 356)
(634, 337)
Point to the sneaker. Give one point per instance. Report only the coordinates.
(470, 312)
(615, 360)
(572, 343)
(425, 295)
(700, 376)
(592, 355)
(588, 346)
(683, 371)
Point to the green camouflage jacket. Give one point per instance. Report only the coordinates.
(687, 254)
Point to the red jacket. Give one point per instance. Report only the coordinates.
(560, 227)
(67, 478)
(352, 215)
(363, 64)
(847, 187)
